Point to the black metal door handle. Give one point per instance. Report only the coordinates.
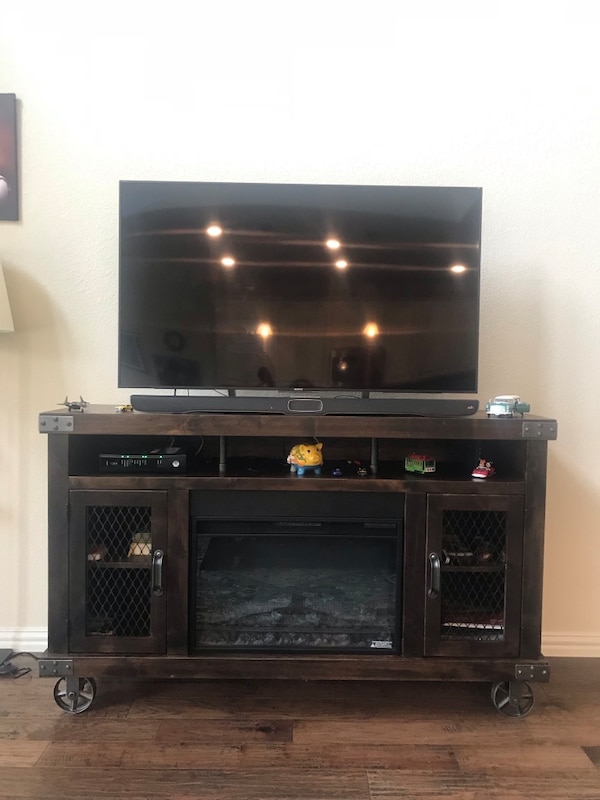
(157, 566)
(434, 575)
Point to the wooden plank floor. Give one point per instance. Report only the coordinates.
(276, 740)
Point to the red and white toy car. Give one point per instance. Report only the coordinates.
(484, 469)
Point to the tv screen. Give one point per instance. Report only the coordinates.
(235, 286)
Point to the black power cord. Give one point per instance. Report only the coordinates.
(10, 670)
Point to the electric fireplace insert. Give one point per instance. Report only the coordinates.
(314, 580)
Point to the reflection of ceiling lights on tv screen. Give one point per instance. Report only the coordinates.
(298, 286)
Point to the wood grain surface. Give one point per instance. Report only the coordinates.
(302, 740)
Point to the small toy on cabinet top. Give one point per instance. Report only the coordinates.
(506, 405)
(74, 405)
(351, 468)
(484, 469)
(304, 457)
(416, 462)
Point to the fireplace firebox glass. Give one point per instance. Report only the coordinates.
(296, 585)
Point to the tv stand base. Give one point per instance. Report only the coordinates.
(296, 667)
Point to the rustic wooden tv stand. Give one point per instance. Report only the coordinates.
(470, 551)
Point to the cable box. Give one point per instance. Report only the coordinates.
(142, 463)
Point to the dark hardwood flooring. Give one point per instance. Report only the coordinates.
(276, 740)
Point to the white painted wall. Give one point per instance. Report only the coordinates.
(505, 96)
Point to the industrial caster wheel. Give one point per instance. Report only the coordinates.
(513, 698)
(74, 695)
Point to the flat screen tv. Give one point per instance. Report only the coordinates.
(326, 293)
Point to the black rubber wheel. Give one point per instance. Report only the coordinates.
(74, 695)
(513, 698)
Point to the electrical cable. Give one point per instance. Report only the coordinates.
(10, 670)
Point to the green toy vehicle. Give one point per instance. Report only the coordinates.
(416, 462)
(506, 405)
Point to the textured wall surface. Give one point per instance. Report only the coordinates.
(311, 92)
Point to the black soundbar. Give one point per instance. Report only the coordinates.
(238, 404)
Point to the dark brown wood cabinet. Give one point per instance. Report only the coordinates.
(235, 567)
(474, 569)
(116, 554)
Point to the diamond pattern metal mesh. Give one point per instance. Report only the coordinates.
(473, 574)
(119, 575)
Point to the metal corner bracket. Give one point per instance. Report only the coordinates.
(55, 667)
(532, 672)
(539, 429)
(55, 423)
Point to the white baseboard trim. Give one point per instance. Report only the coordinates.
(571, 645)
(27, 640)
(568, 645)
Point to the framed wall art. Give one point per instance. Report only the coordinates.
(9, 177)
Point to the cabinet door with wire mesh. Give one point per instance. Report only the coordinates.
(474, 567)
(117, 552)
